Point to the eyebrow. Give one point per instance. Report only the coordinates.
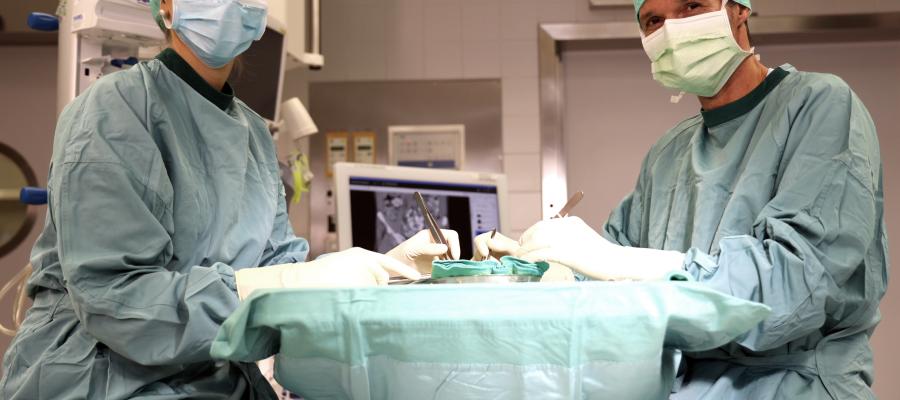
(643, 17)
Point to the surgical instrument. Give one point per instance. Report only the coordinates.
(436, 233)
(573, 201)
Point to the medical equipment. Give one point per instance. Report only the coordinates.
(16, 218)
(97, 37)
(494, 245)
(16, 221)
(258, 79)
(570, 205)
(43, 22)
(18, 282)
(506, 265)
(296, 120)
(304, 20)
(92, 33)
(427, 146)
(590, 340)
(488, 279)
(297, 124)
(490, 253)
(433, 227)
(376, 208)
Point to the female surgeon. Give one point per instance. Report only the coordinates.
(164, 189)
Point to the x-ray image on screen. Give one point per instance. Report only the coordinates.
(398, 217)
(385, 212)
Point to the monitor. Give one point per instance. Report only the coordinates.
(376, 209)
(259, 73)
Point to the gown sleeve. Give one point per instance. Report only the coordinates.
(284, 247)
(815, 235)
(114, 235)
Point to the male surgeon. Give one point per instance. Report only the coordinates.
(772, 193)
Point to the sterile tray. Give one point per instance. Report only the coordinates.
(496, 279)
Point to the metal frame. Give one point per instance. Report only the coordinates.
(555, 39)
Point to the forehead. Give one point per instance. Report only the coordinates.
(662, 7)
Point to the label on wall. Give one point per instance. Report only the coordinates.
(364, 147)
(337, 149)
(427, 146)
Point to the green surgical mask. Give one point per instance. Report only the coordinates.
(695, 55)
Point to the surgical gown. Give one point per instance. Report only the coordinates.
(775, 198)
(156, 197)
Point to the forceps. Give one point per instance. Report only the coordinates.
(490, 252)
(436, 233)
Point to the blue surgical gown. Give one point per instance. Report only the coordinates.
(775, 198)
(156, 197)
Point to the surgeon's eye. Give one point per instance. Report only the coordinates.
(692, 8)
(653, 23)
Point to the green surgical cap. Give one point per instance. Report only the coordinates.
(640, 3)
(154, 9)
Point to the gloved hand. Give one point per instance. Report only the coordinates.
(572, 243)
(349, 268)
(420, 250)
(498, 246)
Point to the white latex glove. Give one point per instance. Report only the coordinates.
(558, 273)
(572, 243)
(349, 268)
(498, 246)
(420, 250)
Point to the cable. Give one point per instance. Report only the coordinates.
(19, 281)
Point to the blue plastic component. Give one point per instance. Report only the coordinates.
(33, 195)
(43, 22)
(119, 62)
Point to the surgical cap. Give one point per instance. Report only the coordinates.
(154, 9)
(637, 5)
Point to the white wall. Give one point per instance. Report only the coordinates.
(28, 101)
(459, 39)
(610, 98)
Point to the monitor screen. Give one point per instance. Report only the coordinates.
(256, 78)
(385, 213)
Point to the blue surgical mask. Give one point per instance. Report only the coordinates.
(219, 30)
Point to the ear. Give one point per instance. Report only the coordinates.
(741, 15)
(165, 8)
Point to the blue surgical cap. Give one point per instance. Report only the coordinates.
(640, 3)
(154, 9)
